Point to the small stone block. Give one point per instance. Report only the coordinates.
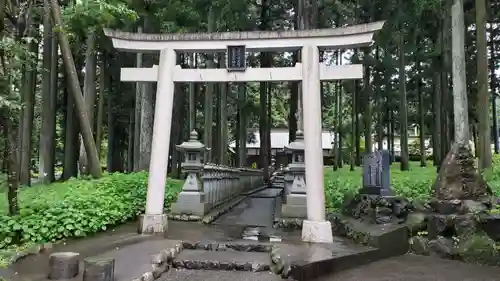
(317, 232)
(153, 224)
(63, 265)
(99, 269)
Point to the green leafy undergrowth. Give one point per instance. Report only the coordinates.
(77, 207)
(414, 184)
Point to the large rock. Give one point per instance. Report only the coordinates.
(490, 224)
(479, 249)
(458, 178)
(376, 209)
(442, 247)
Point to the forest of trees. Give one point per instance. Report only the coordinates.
(64, 111)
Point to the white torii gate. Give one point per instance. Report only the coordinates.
(310, 72)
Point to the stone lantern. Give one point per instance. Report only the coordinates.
(191, 200)
(296, 206)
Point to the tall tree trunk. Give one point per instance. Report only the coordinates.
(367, 102)
(28, 113)
(482, 86)
(388, 111)
(377, 81)
(176, 132)
(137, 111)
(49, 100)
(147, 110)
(100, 102)
(352, 152)
(209, 94)
(436, 102)
(403, 123)
(5, 151)
(10, 129)
(340, 92)
(263, 121)
(446, 95)
(459, 78)
(89, 92)
(421, 112)
(85, 125)
(293, 104)
(269, 119)
(224, 134)
(357, 124)
(242, 122)
(71, 147)
(294, 85)
(493, 88)
(111, 133)
(192, 97)
(130, 142)
(264, 124)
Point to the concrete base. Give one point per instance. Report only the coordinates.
(317, 232)
(295, 207)
(190, 203)
(153, 224)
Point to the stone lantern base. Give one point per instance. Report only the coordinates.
(295, 207)
(190, 203)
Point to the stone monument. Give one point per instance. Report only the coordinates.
(375, 202)
(376, 177)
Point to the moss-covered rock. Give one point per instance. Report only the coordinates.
(479, 249)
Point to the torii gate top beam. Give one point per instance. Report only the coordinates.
(329, 38)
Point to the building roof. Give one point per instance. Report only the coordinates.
(279, 138)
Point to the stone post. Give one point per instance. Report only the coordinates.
(154, 221)
(192, 199)
(296, 199)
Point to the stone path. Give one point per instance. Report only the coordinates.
(256, 210)
(131, 251)
(252, 218)
(417, 268)
(133, 260)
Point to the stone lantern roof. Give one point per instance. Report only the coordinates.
(298, 144)
(193, 144)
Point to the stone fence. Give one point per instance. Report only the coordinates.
(208, 186)
(222, 182)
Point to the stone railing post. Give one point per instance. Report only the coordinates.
(192, 199)
(288, 177)
(209, 183)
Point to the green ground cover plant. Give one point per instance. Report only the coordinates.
(414, 184)
(77, 207)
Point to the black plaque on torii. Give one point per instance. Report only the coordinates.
(236, 58)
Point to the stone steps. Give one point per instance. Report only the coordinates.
(234, 256)
(211, 275)
(293, 261)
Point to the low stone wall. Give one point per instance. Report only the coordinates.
(211, 187)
